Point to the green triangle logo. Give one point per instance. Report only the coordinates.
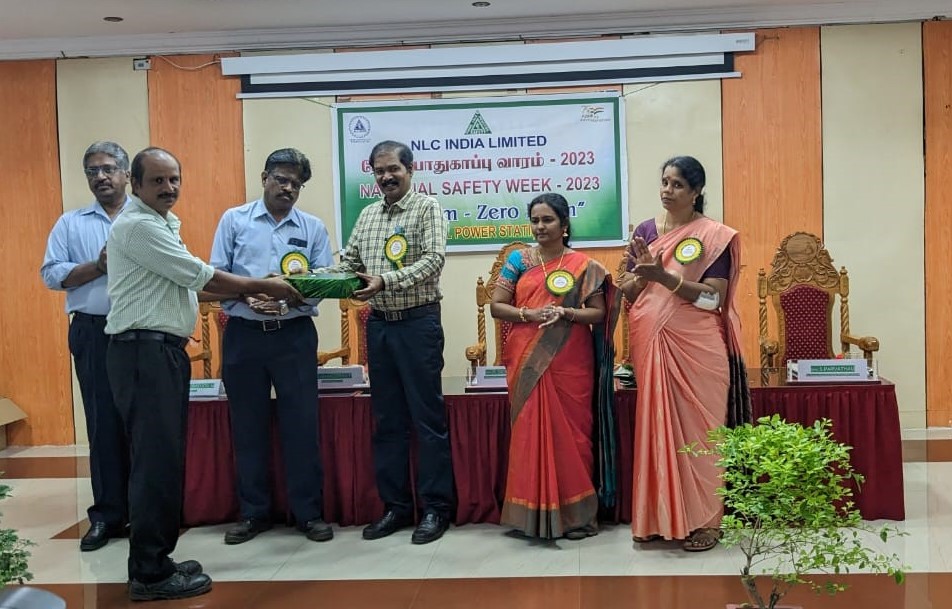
(478, 126)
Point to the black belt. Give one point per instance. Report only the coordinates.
(266, 325)
(411, 313)
(162, 337)
(96, 319)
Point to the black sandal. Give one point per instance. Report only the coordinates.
(702, 540)
(581, 533)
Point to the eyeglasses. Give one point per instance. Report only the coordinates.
(283, 181)
(93, 170)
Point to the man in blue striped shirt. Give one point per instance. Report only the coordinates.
(75, 262)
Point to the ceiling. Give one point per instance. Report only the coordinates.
(70, 28)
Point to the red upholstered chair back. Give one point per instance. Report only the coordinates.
(477, 354)
(803, 285)
(806, 313)
(504, 327)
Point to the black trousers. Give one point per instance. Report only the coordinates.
(252, 361)
(108, 449)
(405, 360)
(150, 384)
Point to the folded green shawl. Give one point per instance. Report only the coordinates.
(325, 285)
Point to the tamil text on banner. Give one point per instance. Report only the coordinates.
(486, 159)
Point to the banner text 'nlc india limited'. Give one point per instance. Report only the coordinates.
(485, 160)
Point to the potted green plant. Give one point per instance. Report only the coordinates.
(13, 552)
(789, 510)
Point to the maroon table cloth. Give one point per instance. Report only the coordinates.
(864, 416)
(350, 492)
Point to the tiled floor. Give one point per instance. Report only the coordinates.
(472, 566)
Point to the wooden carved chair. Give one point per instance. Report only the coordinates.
(477, 354)
(350, 311)
(623, 355)
(205, 310)
(802, 285)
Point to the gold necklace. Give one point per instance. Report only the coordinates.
(542, 261)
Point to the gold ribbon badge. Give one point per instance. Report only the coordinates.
(294, 262)
(688, 250)
(396, 249)
(559, 282)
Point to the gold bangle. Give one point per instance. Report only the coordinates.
(680, 283)
(522, 314)
(574, 313)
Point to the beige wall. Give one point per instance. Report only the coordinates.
(305, 124)
(97, 99)
(667, 119)
(873, 193)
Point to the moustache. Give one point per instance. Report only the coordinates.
(390, 183)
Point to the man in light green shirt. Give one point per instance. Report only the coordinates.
(153, 281)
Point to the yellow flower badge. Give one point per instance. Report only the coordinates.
(688, 250)
(559, 282)
(294, 262)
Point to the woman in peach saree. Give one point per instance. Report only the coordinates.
(555, 363)
(684, 343)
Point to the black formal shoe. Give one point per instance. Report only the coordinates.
(96, 537)
(318, 530)
(189, 568)
(389, 523)
(246, 530)
(177, 585)
(430, 528)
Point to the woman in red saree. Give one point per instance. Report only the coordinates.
(685, 349)
(553, 296)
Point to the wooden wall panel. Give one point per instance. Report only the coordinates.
(937, 76)
(195, 114)
(773, 159)
(34, 357)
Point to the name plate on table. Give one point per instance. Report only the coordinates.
(490, 377)
(831, 371)
(341, 377)
(206, 388)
